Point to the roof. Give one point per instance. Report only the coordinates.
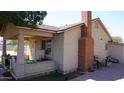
(70, 26)
(48, 27)
(63, 28)
(54, 29)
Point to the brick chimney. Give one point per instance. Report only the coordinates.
(86, 44)
(86, 18)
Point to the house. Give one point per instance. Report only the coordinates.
(64, 49)
(101, 38)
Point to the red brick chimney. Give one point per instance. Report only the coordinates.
(86, 18)
(86, 44)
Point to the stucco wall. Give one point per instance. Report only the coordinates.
(57, 50)
(100, 40)
(38, 46)
(31, 49)
(117, 51)
(71, 38)
(29, 70)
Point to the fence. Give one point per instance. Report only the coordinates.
(117, 51)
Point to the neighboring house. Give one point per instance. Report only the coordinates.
(55, 47)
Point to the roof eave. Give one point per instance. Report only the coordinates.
(39, 29)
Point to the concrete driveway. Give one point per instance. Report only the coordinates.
(112, 73)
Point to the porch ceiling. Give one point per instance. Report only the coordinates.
(26, 37)
(11, 31)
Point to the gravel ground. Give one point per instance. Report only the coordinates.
(112, 73)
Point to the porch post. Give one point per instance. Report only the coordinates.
(4, 51)
(20, 52)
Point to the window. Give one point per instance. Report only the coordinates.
(46, 45)
(106, 46)
(43, 44)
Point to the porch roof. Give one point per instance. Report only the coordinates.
(53, 29)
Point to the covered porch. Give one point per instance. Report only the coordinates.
(34, 55)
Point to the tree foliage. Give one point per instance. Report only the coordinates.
(22, 18)
(117, 39)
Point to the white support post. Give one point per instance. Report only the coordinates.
(20, 52)
(19, 69)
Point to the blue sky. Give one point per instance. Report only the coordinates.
(114, 21)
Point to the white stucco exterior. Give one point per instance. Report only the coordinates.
(58, 51)
(71, 38)
(65, 50)
(100, 40)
